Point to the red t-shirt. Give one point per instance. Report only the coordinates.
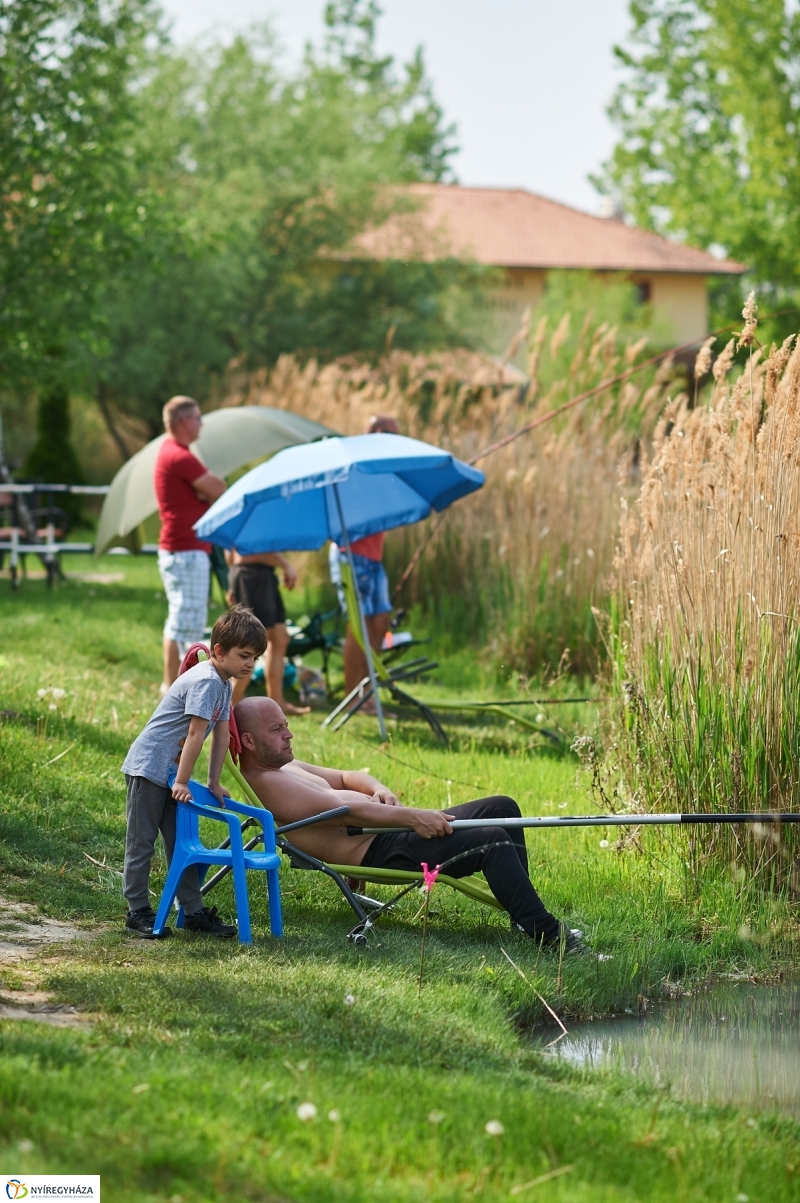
(179, 507)
(370, 547)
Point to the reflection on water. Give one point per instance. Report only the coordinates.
(736, 1044)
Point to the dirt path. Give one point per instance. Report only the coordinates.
(24, 933)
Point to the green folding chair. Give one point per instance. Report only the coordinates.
(367, 910)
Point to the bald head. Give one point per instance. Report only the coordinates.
(264, 732)
(382, 424)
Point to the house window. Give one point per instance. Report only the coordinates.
(643, 292)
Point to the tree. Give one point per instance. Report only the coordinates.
(69, 210)
(266, 179)
(708, 115)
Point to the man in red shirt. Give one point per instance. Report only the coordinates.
(373, 588)
(185, 489)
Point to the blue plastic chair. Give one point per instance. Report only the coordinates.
(190, 850)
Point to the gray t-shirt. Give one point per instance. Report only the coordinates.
(198, 693)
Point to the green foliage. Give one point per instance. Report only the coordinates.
(70, 208)
(52, 457)
(265, 178)
(687, 740)
(707, 115)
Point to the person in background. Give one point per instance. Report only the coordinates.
(253, 583)
(373, 587)
(184, 489)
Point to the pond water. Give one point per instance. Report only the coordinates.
(734, 1044)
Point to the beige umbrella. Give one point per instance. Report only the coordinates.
(229, 439)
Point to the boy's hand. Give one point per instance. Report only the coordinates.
(219, 792)
(181, 792)
(289, 576)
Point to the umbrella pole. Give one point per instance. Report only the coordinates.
(364, 635)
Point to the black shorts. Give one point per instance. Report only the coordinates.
(256, 586)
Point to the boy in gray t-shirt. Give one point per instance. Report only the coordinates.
(196, 705)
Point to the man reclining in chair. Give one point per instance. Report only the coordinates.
(293, 790)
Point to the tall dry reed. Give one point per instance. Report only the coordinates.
(705, 637)
(517, 566)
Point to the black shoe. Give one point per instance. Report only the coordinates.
(140, 923)
(209, 922)
(572, 941)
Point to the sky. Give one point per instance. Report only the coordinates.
(526, 82)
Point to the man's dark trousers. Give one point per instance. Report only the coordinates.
(497, 852)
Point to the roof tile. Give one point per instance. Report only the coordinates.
(510, 227)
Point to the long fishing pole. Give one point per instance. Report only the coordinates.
(649, 820)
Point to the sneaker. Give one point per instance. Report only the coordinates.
(140, 923)
(572, 940)
(209, 922)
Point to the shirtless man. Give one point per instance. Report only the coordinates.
(293, 790)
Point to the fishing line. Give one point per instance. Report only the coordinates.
(418, 768)
(554, 413)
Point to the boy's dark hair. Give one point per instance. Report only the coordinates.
(239, 628)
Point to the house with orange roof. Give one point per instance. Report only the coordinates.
(526, 236)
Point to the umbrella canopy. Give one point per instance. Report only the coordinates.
(229, 438)
(290, 503)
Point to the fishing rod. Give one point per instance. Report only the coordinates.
(650, 820)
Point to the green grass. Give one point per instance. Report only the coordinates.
(187, 1079)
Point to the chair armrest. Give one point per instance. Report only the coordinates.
(259, 813)
(213, 812)
(320, 818)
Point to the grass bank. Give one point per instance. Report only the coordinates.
(183, 1078)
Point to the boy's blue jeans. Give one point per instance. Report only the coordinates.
(150, 809)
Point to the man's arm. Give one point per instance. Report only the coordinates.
(289, 798)
(209, 486)
(361, 783)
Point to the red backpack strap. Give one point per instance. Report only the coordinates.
(235, 744)
(191, 658)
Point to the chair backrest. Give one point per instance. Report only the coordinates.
(348, 584)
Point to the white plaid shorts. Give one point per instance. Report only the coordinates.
(186, 576)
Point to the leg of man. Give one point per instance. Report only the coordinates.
(376, 604)
(355, 662)
(277, 643)
(172, 663)
(186, 576)
(497, 853)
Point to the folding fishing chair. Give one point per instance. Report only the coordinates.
(367, 910)
(387, 677)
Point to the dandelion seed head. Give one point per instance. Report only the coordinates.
(435, 1117)
(349, 999)
(334, 1116)
(494, 1128)
(306, 1111)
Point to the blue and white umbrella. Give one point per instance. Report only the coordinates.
(340, 489)
(381, 481)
